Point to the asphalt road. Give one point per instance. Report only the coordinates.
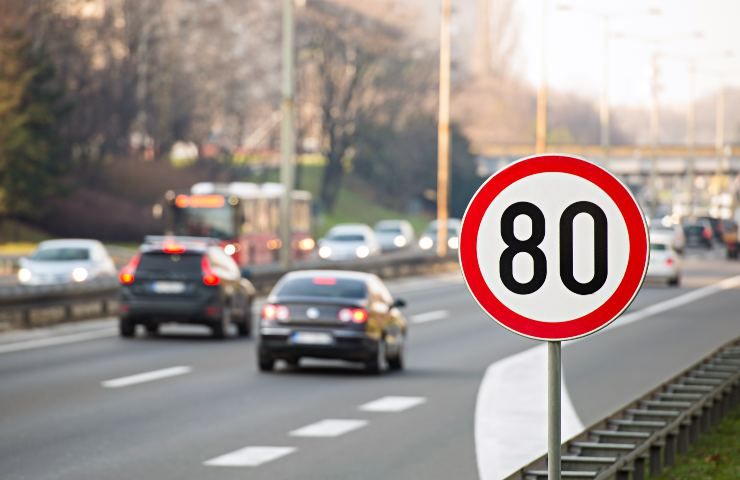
(61, 417)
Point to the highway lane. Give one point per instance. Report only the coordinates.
(59, 421)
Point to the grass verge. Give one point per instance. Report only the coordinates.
(715, 457)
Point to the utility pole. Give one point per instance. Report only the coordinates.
(541, 126)
(443, 129)
(287, 134)
(654, 134)
(691, 137)
(604, 104)
(719, 132)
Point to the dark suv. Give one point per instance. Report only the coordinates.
(184, 280)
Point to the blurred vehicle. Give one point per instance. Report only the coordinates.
(184, 280)
(394, 234)
(663, 264)
(716, 225)
(66, 261)
(332, 314)
(698, 233)
(673, 231)
(730, 237)
(428, 240)
(244, 217)
(348, 241)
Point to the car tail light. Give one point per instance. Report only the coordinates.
(209, 278)
(669, 261)
(354, 315)
(707, 233)
(275, 312)
(126, 277)
(173, 248)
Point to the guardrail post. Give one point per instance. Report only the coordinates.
(669, 455)
(683, 438)
(694, 428)
(706, 418)
(655, 464)
(623, 475)
(639, 473)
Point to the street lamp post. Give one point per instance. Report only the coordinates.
(443, 129)
(287, 133)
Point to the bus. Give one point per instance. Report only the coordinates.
(244, 217)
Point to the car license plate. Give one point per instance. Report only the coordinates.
(168, 287)
(312, 338)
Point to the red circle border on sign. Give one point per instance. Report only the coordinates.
(602, 315)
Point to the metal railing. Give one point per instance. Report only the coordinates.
(26, 306)
(647, 434)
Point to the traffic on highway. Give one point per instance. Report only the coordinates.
(398, 239)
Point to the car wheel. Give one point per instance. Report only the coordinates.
(152, 328)
(265, 362)
(378, 361)
(244, 327)
(126, 327)
(396, 361)
(675, 281)
(220, 327)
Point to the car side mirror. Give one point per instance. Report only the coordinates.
(398, 303)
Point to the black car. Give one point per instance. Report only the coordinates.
(332, 314)
(698, 234)
(184, 280)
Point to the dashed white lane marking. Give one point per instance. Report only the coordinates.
(146, 377)
(392, 404)
(52, 341)
(249, 457)
(429, 316)
(329, 428)
(511, 408)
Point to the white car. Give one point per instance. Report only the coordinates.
(349, 241)
(428, 240)
(664, 265)
(66, 261)
(673, 231)
(394, 234)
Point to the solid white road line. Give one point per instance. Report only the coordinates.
(511, 407)
(429, 316)
(52, 341)
(146, 377)
(329, 428)
(249, 457)
(392, 404)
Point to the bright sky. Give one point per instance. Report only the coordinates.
(575, 46)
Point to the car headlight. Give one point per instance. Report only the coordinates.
(426, 243)
(453, 243)
(362, 251)
(230, 249)
(79, 274)
(324, 252)
(24, 275)
(399, 241)
(306, 244)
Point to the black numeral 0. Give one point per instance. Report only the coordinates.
(566, 248)
(530, 246)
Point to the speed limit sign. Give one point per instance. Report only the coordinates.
(553, 247)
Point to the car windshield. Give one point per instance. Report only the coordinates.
(346, 237)
(389, 230)
(321, 287)
(432, 232)
(156, 262)
(64, 254)
(658, 247)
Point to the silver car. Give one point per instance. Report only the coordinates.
(428, 240)
(66, 261)
(394, 234)
(349, 241)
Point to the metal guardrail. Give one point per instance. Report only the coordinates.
(26, 306)
(647, 434)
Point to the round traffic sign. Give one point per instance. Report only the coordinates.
(553, 247)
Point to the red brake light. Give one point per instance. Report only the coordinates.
(275, 312)
(669, 261)
(209, 277)
(324, 281)
(126, 276)
(173, 248)
(355, 315)
(707, 233)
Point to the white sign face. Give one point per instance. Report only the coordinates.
(553, 247)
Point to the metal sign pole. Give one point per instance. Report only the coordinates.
(554, 366)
